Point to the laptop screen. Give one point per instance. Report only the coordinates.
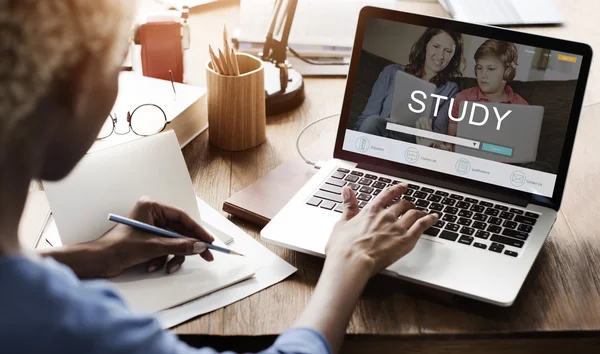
(468, 106)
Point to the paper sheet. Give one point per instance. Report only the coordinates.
(113, 180)
(269, 270)
(157, 291)
(153, 292)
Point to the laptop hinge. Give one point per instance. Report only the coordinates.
(439, 182)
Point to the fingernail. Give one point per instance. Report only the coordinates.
(174, 269)
(199, 247)
(152, 268)
(346, 194)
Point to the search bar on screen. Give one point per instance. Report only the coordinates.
(434, 136)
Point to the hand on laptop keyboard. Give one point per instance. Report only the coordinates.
(384, 231)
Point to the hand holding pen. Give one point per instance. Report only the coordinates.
(124, 247)
(158, 231)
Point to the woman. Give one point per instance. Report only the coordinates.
(436, 56)
(59, 79)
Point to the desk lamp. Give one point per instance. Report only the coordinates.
(284, 87)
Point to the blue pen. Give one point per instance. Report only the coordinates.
(162, 232)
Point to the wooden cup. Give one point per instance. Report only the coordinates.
(236, 105)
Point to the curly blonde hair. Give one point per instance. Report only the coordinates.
(42, 40)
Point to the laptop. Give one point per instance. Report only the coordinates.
(515, 142)
(404, 87)
(495, 216)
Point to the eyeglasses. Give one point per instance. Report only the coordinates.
(147, 119)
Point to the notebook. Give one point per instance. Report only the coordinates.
(111, 181)
(262, 200)
(269, 268)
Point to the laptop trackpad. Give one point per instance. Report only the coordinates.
(428, 257)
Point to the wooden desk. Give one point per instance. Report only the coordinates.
(560, 300)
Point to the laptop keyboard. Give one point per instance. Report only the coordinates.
(466, 220)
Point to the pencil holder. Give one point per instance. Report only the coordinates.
(236, 105)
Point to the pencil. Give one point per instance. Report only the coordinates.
(225, 41)
(236, 68)
(224, 63)
(213, 63)
(172, 84)
(228, 51)
(230, 66)
(216, 64)
(164, 233)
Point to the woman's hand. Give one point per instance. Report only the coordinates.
(383, 232)
(443, 146)
(424, 123)
(124, 247)
(361, 245)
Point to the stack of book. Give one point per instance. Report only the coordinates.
(184, 105)
(322, 31)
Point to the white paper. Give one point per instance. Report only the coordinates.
(153, 292)
(113, 180)
(269, 270)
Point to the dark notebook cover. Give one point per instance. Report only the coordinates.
(259, 202)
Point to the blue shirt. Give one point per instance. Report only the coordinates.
(380, 101)
(45, 308)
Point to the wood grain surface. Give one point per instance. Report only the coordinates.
(416, 345)
(560, 298)
(236, 105)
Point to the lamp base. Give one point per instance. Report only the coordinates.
(278, 101)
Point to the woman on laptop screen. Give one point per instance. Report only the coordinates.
(436, 57)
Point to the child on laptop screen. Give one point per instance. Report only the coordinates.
(495, 65)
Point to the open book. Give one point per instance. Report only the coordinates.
(111, 181)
